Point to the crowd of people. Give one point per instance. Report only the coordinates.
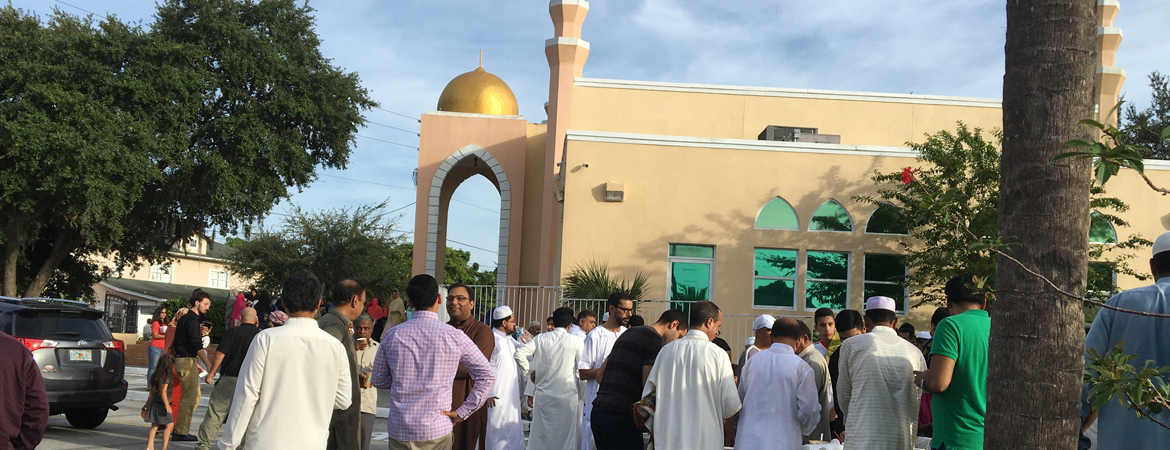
(583, 383)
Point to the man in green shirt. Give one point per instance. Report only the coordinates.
(957, 377)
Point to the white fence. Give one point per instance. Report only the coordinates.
(536, 304)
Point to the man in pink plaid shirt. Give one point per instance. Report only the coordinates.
(417, 361)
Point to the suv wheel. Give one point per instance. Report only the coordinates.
(87, 418)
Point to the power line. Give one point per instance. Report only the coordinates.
(477, 248)
(388, 142)
(76, 7)
(368, 182)
(398, 114)
(393, 127)
(402, 208)
(403, 187)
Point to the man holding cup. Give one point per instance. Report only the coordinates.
(365, 350)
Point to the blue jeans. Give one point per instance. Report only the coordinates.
(152, 354)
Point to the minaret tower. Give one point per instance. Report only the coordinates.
(1109, 78)
(566, 55)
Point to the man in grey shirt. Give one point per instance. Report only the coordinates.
(820, 368)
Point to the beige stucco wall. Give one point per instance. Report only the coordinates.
(732, 112)
(194, 271)
(711, 196)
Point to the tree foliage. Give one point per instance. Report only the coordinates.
(1144, 128)
(458, 268)
(358, 243)
(125, 141)
(950, 206)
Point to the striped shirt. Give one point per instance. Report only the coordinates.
(877, 390)
(417, 361)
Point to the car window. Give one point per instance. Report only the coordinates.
(5, 323)
(59, 325)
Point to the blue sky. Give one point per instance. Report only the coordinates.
(407, 51)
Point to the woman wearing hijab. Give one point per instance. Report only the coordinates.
(238, 309)
(379, 315)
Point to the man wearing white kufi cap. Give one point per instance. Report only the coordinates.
(876, 389)
(1143, 336)
(761, 339)
(504, 431)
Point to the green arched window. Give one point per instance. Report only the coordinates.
(1101, 230)
(886, 219)
(777, 214)
(831, 216)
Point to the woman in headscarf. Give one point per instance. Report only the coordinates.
(238, 308)
(263, 307)
(379, 315)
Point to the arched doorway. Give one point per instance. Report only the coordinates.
(459, 166)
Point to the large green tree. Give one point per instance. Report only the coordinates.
(949, 205)
(358, 243)
(1144, 127)
(125, 141)
(458, 268)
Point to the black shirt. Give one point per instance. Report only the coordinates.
(234, 346)
(188, 337)
(621, 385)
(837, 426)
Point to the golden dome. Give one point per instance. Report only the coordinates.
(479, 92)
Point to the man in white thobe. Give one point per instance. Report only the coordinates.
(556, 415)
(294, 374)
(779, 394)
(597, 347)
(504, 431)
(876, 389)
(693, 385)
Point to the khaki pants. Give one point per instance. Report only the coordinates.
(218, 406)
(443, 443)
(189, 380)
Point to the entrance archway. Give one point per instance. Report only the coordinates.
(462, 164)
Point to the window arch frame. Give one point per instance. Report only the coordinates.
(1112, 229)
(869, 221)
(786, 203)
(852, 225)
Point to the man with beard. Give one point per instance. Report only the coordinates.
(460, 303)
(598, 344)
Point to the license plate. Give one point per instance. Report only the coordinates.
(81, 355)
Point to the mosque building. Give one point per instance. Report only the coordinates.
(739, 195)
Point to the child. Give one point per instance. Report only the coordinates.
(157, 410)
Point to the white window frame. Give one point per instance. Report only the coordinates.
(848, 278)
(193, 245)
(212, 278)
(852, 223)
(903, 303)
(795, 280)
(670, 260)
(163, 273)
(870, 219)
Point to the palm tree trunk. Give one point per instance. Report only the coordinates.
(1037, 335)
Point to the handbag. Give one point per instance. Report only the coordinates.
(146, 405)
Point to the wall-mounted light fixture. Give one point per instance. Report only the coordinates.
(615, 192)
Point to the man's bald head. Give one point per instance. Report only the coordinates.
(787, 328)
(248, 315)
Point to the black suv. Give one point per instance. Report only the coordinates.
(82, 364)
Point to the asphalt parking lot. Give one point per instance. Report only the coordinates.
(124, 428)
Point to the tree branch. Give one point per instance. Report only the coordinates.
(1142, 413)
(1149, 182)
